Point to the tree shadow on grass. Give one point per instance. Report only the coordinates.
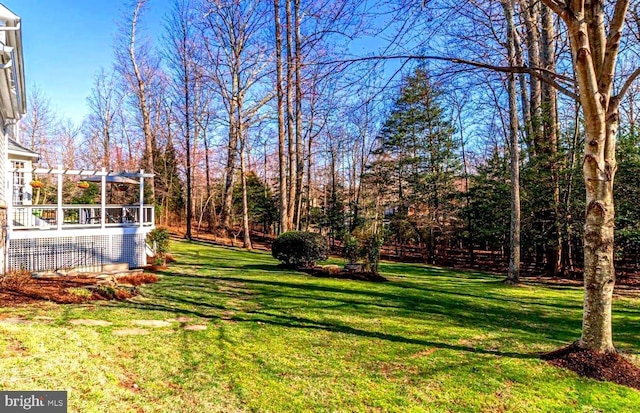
(275, 267)
(465, 310)
(287, 321)
(270, 300)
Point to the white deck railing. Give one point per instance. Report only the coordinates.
(80, 216)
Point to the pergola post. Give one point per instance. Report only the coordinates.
(59, 212)
(141, 213)
(103, 199)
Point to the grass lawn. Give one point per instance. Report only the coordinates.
(429, 340)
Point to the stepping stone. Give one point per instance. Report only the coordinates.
(14, 320)
(130, 332)
(83, 322)
(182, 319)
(152, 323)
(195, 327)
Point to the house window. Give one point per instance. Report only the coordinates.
(18, 183)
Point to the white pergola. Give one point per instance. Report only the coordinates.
(103, 176)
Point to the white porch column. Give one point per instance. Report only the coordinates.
(60, 213)
(9, 201)
(141, 213)
(103, 198)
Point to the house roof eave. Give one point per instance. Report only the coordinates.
(14, 148)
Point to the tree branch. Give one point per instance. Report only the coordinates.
(548, 76)
(627, 83)
(613, 46)
(558, 7)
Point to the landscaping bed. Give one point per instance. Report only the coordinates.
(333, 271)
(22, 288)
(600, 366)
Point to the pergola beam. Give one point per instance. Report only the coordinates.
(82, 172)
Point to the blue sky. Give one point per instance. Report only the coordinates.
(67, 41)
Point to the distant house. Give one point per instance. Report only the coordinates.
(40, 236)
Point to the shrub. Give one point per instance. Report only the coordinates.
(351, 249)
(80, 292)
(300, 249)
(371, 251)
(159, 240)
(15, 279)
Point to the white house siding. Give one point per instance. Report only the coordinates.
(3, 199)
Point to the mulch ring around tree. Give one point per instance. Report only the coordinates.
(611, 367)
(22, 288)
(334, 271)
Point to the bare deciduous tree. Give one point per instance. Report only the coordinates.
(38, 126)
(138, 67)
(237, 62)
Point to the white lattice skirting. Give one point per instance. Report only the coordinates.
(89, 252)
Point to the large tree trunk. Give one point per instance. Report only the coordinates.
(513, 275)
(246, 238)
(530, 13)
(230, 177)
(534, 136)
(599, 273)
(187, 142)
(550, 149)
(207, 167)
(283, 227)
(298, 111)
(291, 136)
(594, 57)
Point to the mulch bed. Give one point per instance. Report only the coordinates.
(67, 289)
(611, 367)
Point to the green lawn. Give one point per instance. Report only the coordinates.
(429, 340)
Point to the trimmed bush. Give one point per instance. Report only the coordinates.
(159, 240)
(300, 249)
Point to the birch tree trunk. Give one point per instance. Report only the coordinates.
(594, 57)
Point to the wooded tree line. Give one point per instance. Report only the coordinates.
(478, 125)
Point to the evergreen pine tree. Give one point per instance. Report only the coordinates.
(416, 152)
